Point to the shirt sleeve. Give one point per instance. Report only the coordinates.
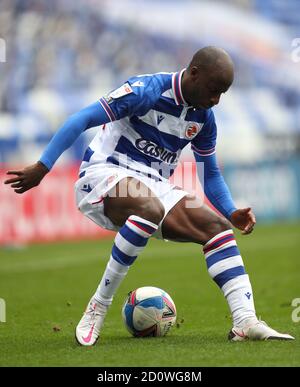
(92, 115)
(136, 97)
(215, 187)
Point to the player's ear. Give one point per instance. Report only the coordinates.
(194, 71)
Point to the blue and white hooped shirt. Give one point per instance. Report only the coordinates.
(150, 124)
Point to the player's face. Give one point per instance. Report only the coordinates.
(207, 90)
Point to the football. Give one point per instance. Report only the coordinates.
(149, 311)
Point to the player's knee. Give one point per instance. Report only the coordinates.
(218, 225)
(224, 224)
(151, 210)
(118, 210)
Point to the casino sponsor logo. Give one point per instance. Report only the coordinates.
(154, 150)
(192, 129)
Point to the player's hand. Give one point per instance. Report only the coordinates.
(244, 220)
(27, 178)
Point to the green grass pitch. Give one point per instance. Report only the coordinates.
(46, 289)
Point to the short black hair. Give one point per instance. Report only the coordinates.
(210, 57)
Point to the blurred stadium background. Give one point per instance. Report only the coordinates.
(62, 55)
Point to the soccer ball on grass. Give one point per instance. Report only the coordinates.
(149, 311)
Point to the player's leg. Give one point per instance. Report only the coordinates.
(137, 212)
(224, 262)
(202, 225)
(135, 209)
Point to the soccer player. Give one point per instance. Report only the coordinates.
(123, 183)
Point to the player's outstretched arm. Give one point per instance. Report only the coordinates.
(32, 175)
(27, 178)
(219, 195)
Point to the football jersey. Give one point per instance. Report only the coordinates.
(149, 125)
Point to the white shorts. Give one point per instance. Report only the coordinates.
(91, 189)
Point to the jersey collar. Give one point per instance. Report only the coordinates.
(176, 87)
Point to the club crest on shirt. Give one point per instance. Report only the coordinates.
(192, 129)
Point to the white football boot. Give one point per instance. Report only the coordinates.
(88, 328)
(256, 330)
